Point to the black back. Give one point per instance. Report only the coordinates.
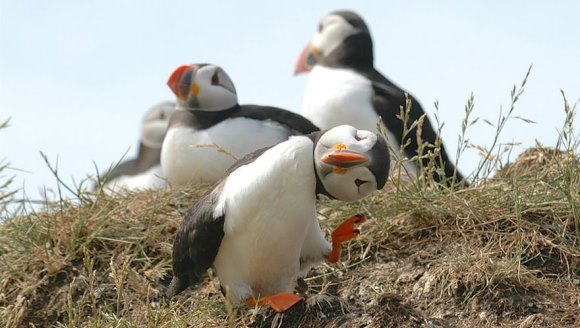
(356, 52)
(147, 158)
(201, 120)
(295, 122)
(387, 101)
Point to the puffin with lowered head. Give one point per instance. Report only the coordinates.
(143, 172)
(345, 88)
(258, 226)
(209, 130)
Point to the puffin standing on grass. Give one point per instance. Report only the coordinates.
(345, 88)
(143, 172)
(209, 130)
(258, 226)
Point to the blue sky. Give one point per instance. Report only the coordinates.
(76, 76)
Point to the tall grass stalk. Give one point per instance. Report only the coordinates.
(569, 143)
(489, 162)
(498, 253)
(6, 194)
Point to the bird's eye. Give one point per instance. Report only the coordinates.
(359, 182)
(215, 79)
(359, 136)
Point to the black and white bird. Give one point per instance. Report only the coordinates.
(345, 88)
(258, 226)
(143, 172)
(210, 130)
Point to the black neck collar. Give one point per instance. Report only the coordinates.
(355, 52)
(201, 119)
(320, 190)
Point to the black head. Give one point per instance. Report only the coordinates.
(342, 39)
(351, 163)
(204, 87)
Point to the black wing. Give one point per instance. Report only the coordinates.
(147, 158)
(247, 159)
(387, 100)
(125, 168)
(197, 242)
(296, 122)
(200, 235)
(198, 239)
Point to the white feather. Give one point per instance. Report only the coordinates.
(337, 96)
(150, 179)
(334, 30)
(191, 156)
(270, 220)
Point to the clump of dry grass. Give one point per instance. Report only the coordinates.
(535, 160)
(72, 262)
(503, 252)
(5, 181)
(492, 254)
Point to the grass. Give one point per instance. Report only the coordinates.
(6, 194)
(504, 252)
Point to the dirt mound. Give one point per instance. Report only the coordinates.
(505, 253)
(537, 159)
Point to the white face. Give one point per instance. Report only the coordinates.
(204, 87)
(343, 160)
(332, 30)
(155, 124)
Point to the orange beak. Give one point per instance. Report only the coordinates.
(175, 83)
(307, 59)
(344, 159)
(301, 66)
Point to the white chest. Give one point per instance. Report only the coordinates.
(150, 179)
(193, 156)
(339, 96)
(269, 207)
(336, 96)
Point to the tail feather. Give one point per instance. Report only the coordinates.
(177, 285)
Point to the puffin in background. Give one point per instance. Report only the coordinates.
(209, 130)
(258, 226)
(143, 172)
(345, 88)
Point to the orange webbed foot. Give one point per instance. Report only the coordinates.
(278, 302)
(347, 229)
(344, 232)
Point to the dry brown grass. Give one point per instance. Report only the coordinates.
(504, 253)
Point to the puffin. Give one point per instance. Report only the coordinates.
(143, 172)
(258, 227)
(345, 88)
(209, 130)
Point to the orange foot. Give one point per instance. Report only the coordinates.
(344, 232)
(278, 302)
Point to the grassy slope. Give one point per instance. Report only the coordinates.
(505, 253)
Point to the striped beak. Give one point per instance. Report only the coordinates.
(180, 82)
(307, 59)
